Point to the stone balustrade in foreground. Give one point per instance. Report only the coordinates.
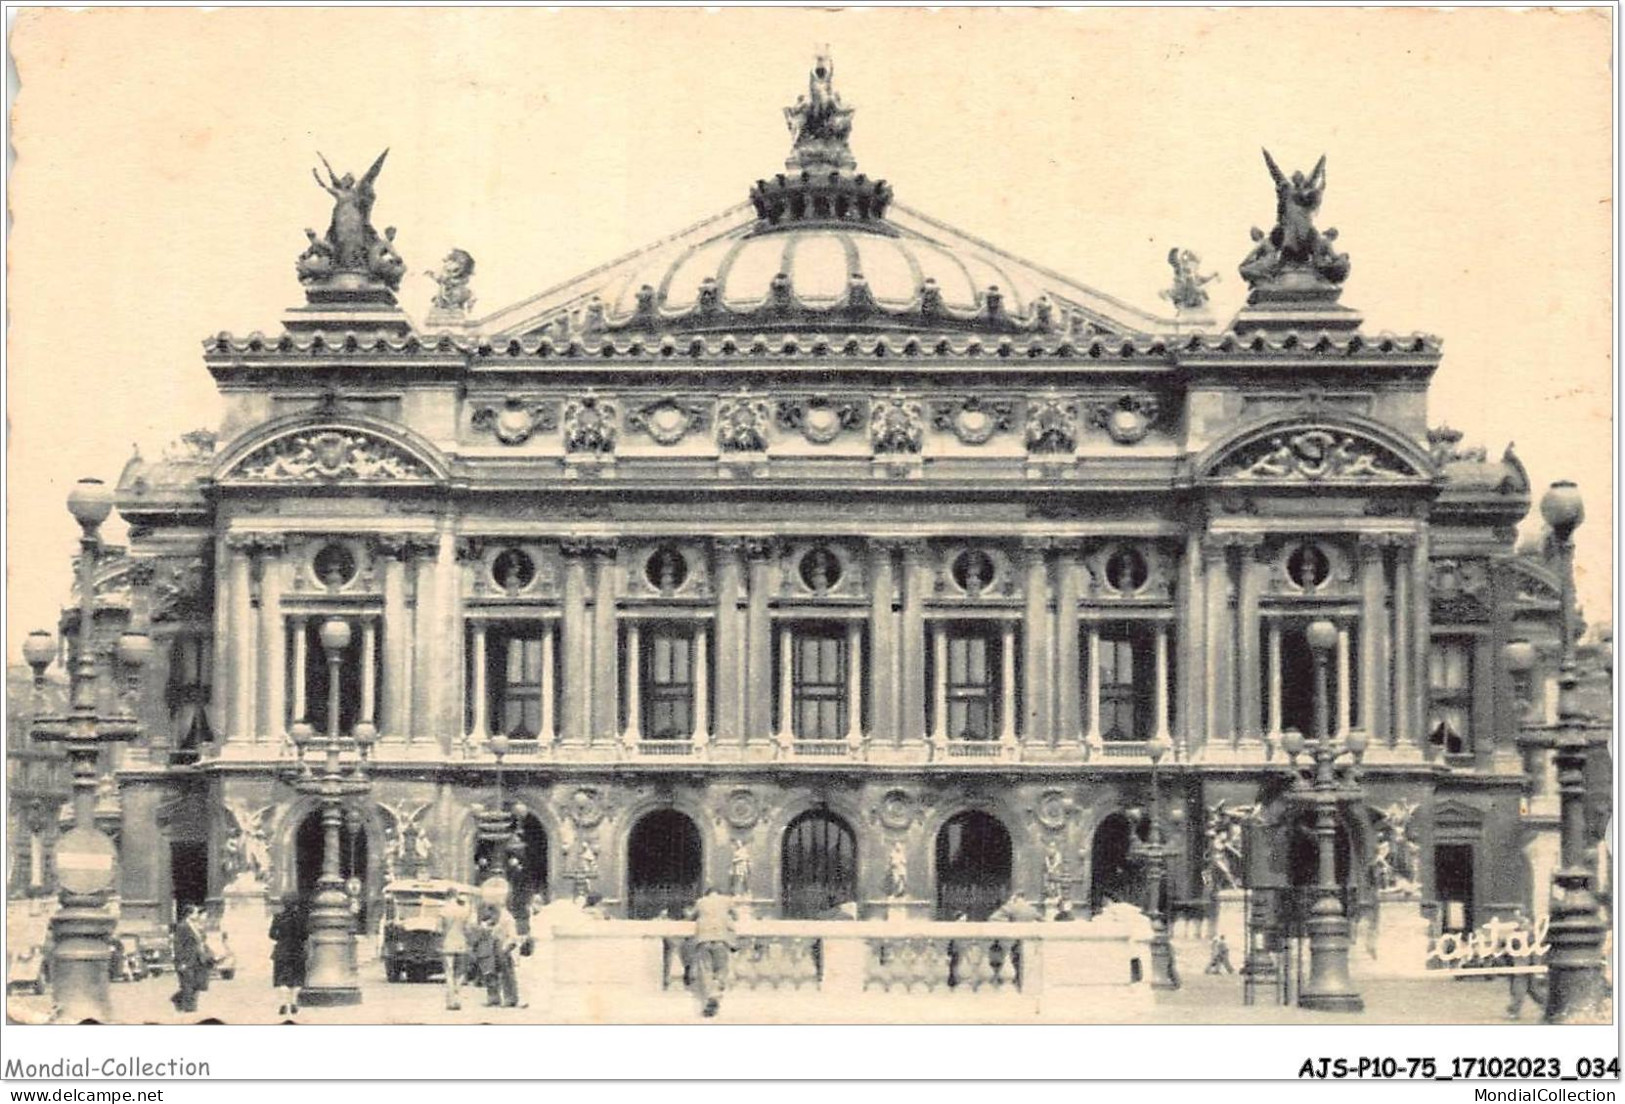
(875, 971)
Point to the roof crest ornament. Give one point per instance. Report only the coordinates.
(351, 257)
(819, 122)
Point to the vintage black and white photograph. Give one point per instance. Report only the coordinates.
(803, 517)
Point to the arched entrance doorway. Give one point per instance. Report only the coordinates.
(308, 844)
(973, 866)
(1115, 874)
(526, 866)
(820, 867)
(663, 865)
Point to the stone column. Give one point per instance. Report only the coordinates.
(1192, 671)
(549, 733)
(1275, 683)
(787, 664)
(243, 643)
(939, 684)
(759, 687)
(1403, 733)
(1160, 690)
(219, 707)
(367, 722)
(422, 660)
(702, 688)
(1422, 637)
(730, 644)
(442, 671)
(576, 644)
(397, 641)
(911, 695)
(1220, 640)
(301, 672)
(854, 685)
(882, 645)
(606, 717)
(1038, 706)
(480, 730)
(1068, 716)
(273, 582)
(1093, 691)
(1344, 709)
(1250, 682)
(634, 692)
(1007, 684)
(1373, 642)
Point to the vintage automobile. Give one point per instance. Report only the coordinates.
(30, 971)
(411, 928)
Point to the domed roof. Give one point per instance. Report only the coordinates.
(821, 247)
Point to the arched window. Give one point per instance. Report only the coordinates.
(973, 866)
(663, 864)
(820, 865)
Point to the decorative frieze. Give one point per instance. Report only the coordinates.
(1128, 419)
(1459, 590)
(668, 420)
(589, 425)
(974, 420)
(516, 420)
(743, 424)
(820, 418)
(1052, 426)
(897, 426)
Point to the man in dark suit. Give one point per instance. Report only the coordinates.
(191, 960)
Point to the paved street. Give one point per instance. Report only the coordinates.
(1203, 999)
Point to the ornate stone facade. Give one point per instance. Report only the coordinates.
(887, 575)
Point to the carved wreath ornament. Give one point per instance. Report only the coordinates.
(330, 455)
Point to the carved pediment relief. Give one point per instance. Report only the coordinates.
(1317, 452)
(328, 454)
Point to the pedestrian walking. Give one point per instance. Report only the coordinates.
(454, 921)
(289, 930)
(714, 918)
(1219, 957)
(505, 939)
(191, 960)
(483, 954)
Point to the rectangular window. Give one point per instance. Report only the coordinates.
(515, 680)
(667, 672)
(187, 693)
(818, 682)
(1127, 673)
(973, 683)
(1450, 695)
(318, 693)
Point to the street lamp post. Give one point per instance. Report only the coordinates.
(83, 926)
(499, 829)
(1164, 975)
(1576, 990)
(330, 976)
(1327, 786)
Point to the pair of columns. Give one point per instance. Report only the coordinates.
(1225, 609)
(255, 629)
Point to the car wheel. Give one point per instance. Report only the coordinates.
(392, 971)
(227, 975)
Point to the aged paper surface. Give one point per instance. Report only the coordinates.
(163, 157)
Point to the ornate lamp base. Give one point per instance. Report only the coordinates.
(80, 934)
(330, 977)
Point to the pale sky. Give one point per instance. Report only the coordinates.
(164, 156)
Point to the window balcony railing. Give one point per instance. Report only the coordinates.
(1125, 749)
(666, 748)
(823, 748)
(975, 749)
